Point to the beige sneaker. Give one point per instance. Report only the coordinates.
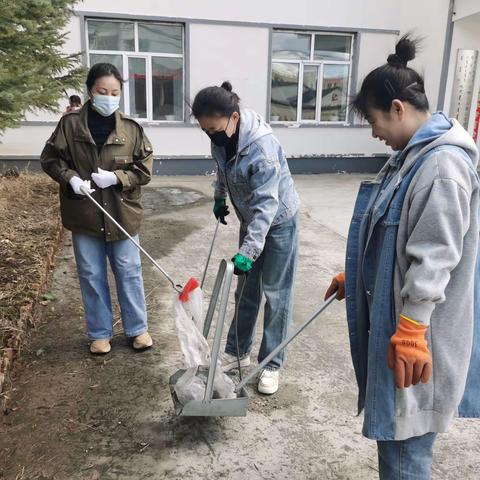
(100, 347)
(143, 341)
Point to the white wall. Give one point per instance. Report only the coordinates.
(465, 8)
(237, 54)
(427, 19)
(360, 13)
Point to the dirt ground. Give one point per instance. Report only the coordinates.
(30, 231)
(75, 416)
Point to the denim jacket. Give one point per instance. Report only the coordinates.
(423, 205)
(258, 182)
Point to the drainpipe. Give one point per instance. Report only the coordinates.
(446, 57)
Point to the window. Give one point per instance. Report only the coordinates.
(310, 77)
(150, 57)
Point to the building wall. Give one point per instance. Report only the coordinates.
(220, 49)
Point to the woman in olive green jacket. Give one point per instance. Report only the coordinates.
(102, 150)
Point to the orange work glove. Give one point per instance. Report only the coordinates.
(337, 285)
(408, 354)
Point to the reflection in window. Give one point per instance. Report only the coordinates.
(167, 88)
(160, 38)
(334, 93)
(104, 35)
(150, 57)
(138, 91)
(291, 46)
(309, 96)
(304, 63)
(332, 47)
(284, 92)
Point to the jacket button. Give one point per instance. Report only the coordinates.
(105, 204)
(102, 229)
(116, 140)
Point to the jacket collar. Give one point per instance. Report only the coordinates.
(82, 132)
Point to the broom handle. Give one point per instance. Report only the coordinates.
(280, 347)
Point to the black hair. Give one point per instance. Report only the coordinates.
(216, 102)
(75, 99)
(391, 81)
(100, 70)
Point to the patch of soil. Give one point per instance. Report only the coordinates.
(30, 230)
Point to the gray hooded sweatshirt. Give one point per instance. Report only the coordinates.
(434, 275)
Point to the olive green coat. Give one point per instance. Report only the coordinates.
(127, 152)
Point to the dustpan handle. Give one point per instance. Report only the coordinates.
(280, 347)
(225, 274)
(210, 254)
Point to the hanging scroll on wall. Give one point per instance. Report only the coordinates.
(463, 84)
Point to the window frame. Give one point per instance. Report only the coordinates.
(136, 53)
(312, 62)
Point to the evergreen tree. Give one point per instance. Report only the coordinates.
(34, 71)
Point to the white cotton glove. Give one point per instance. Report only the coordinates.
(104, 178)
(77, 183)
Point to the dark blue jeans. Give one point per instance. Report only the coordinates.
(409, 459)
(272, 275)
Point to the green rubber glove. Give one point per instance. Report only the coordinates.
(220, 210)
(242, 264)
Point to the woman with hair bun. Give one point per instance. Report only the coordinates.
(410, 273)
(253, 171)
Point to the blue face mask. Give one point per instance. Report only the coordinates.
(105, 104)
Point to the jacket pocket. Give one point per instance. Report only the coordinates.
(122, 161)
(133, 195)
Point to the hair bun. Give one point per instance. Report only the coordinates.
(405, 51)
(227, 86)
(395, 61)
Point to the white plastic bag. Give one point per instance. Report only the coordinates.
(189, 321)
(223, 385)
(190, 387)
(193, 344)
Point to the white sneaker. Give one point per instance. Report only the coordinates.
(268, 382)
(229, 362)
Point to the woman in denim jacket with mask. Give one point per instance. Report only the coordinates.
(253, 172)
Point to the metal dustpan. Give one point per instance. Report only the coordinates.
(226, 407)
(209, 406)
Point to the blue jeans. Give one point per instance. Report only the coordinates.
(273, 275)
(409, 459)
(91, 256)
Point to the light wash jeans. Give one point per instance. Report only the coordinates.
(409, 459)
(91, 256)
(272, 274)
